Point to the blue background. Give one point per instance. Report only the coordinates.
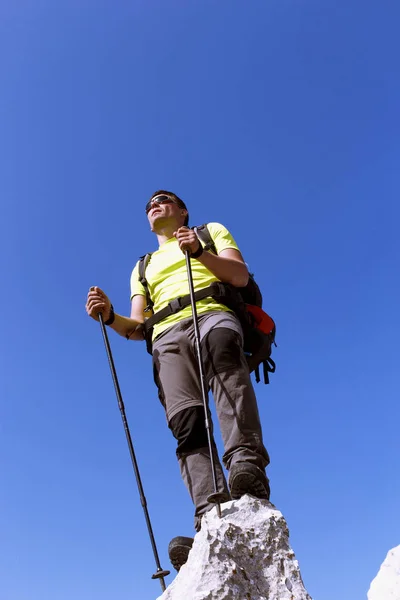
(280, 120)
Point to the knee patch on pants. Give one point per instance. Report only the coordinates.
(188, 428)
(221, 350)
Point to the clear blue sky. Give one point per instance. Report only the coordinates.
(277, 118)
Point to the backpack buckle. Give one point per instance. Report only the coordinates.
(175, 305)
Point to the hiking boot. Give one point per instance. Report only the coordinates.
(246, 478)
(178, 550)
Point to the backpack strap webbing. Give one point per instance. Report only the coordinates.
(143, 262)
(215, 290)
(204, 235)
(269, 366)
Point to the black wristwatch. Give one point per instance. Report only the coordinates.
(111, 318)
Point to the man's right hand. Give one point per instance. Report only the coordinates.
(98, 302)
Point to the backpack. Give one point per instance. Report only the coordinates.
(258, 327)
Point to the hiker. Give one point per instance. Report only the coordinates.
(176, 370)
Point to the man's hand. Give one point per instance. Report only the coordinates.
(98, 302)
(187, 240)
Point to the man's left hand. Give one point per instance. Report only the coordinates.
(187, 239)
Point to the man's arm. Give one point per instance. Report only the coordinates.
(98, 302)
(130, 327)
(228, 266)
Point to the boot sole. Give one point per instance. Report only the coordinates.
(248, 483)
(178, 554)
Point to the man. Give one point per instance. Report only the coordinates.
(175, 362)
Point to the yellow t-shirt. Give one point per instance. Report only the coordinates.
(167, 279)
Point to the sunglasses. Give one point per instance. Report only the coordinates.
(162, 199)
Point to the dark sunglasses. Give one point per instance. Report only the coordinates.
(162, 199)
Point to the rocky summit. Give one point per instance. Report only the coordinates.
(244, 555)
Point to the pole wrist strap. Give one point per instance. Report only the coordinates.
(111, 318)
(198, 252)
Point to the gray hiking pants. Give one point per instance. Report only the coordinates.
(176, 374)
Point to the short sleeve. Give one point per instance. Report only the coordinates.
(222, 238)
(136, 287)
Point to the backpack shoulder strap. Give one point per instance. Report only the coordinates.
(204, 235)
(143, 262)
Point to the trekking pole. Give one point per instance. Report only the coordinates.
(217, 496)
(160, 573)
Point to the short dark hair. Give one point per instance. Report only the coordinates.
(179, 202)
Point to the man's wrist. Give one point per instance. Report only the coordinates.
(198, 252)
(111, 318)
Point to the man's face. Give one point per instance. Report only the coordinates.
(161, 209)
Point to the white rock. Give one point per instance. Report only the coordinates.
(244, 555)
(386, 585)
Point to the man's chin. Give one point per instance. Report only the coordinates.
(159, 222)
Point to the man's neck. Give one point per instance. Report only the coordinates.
(162, 238)
(165, 233)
